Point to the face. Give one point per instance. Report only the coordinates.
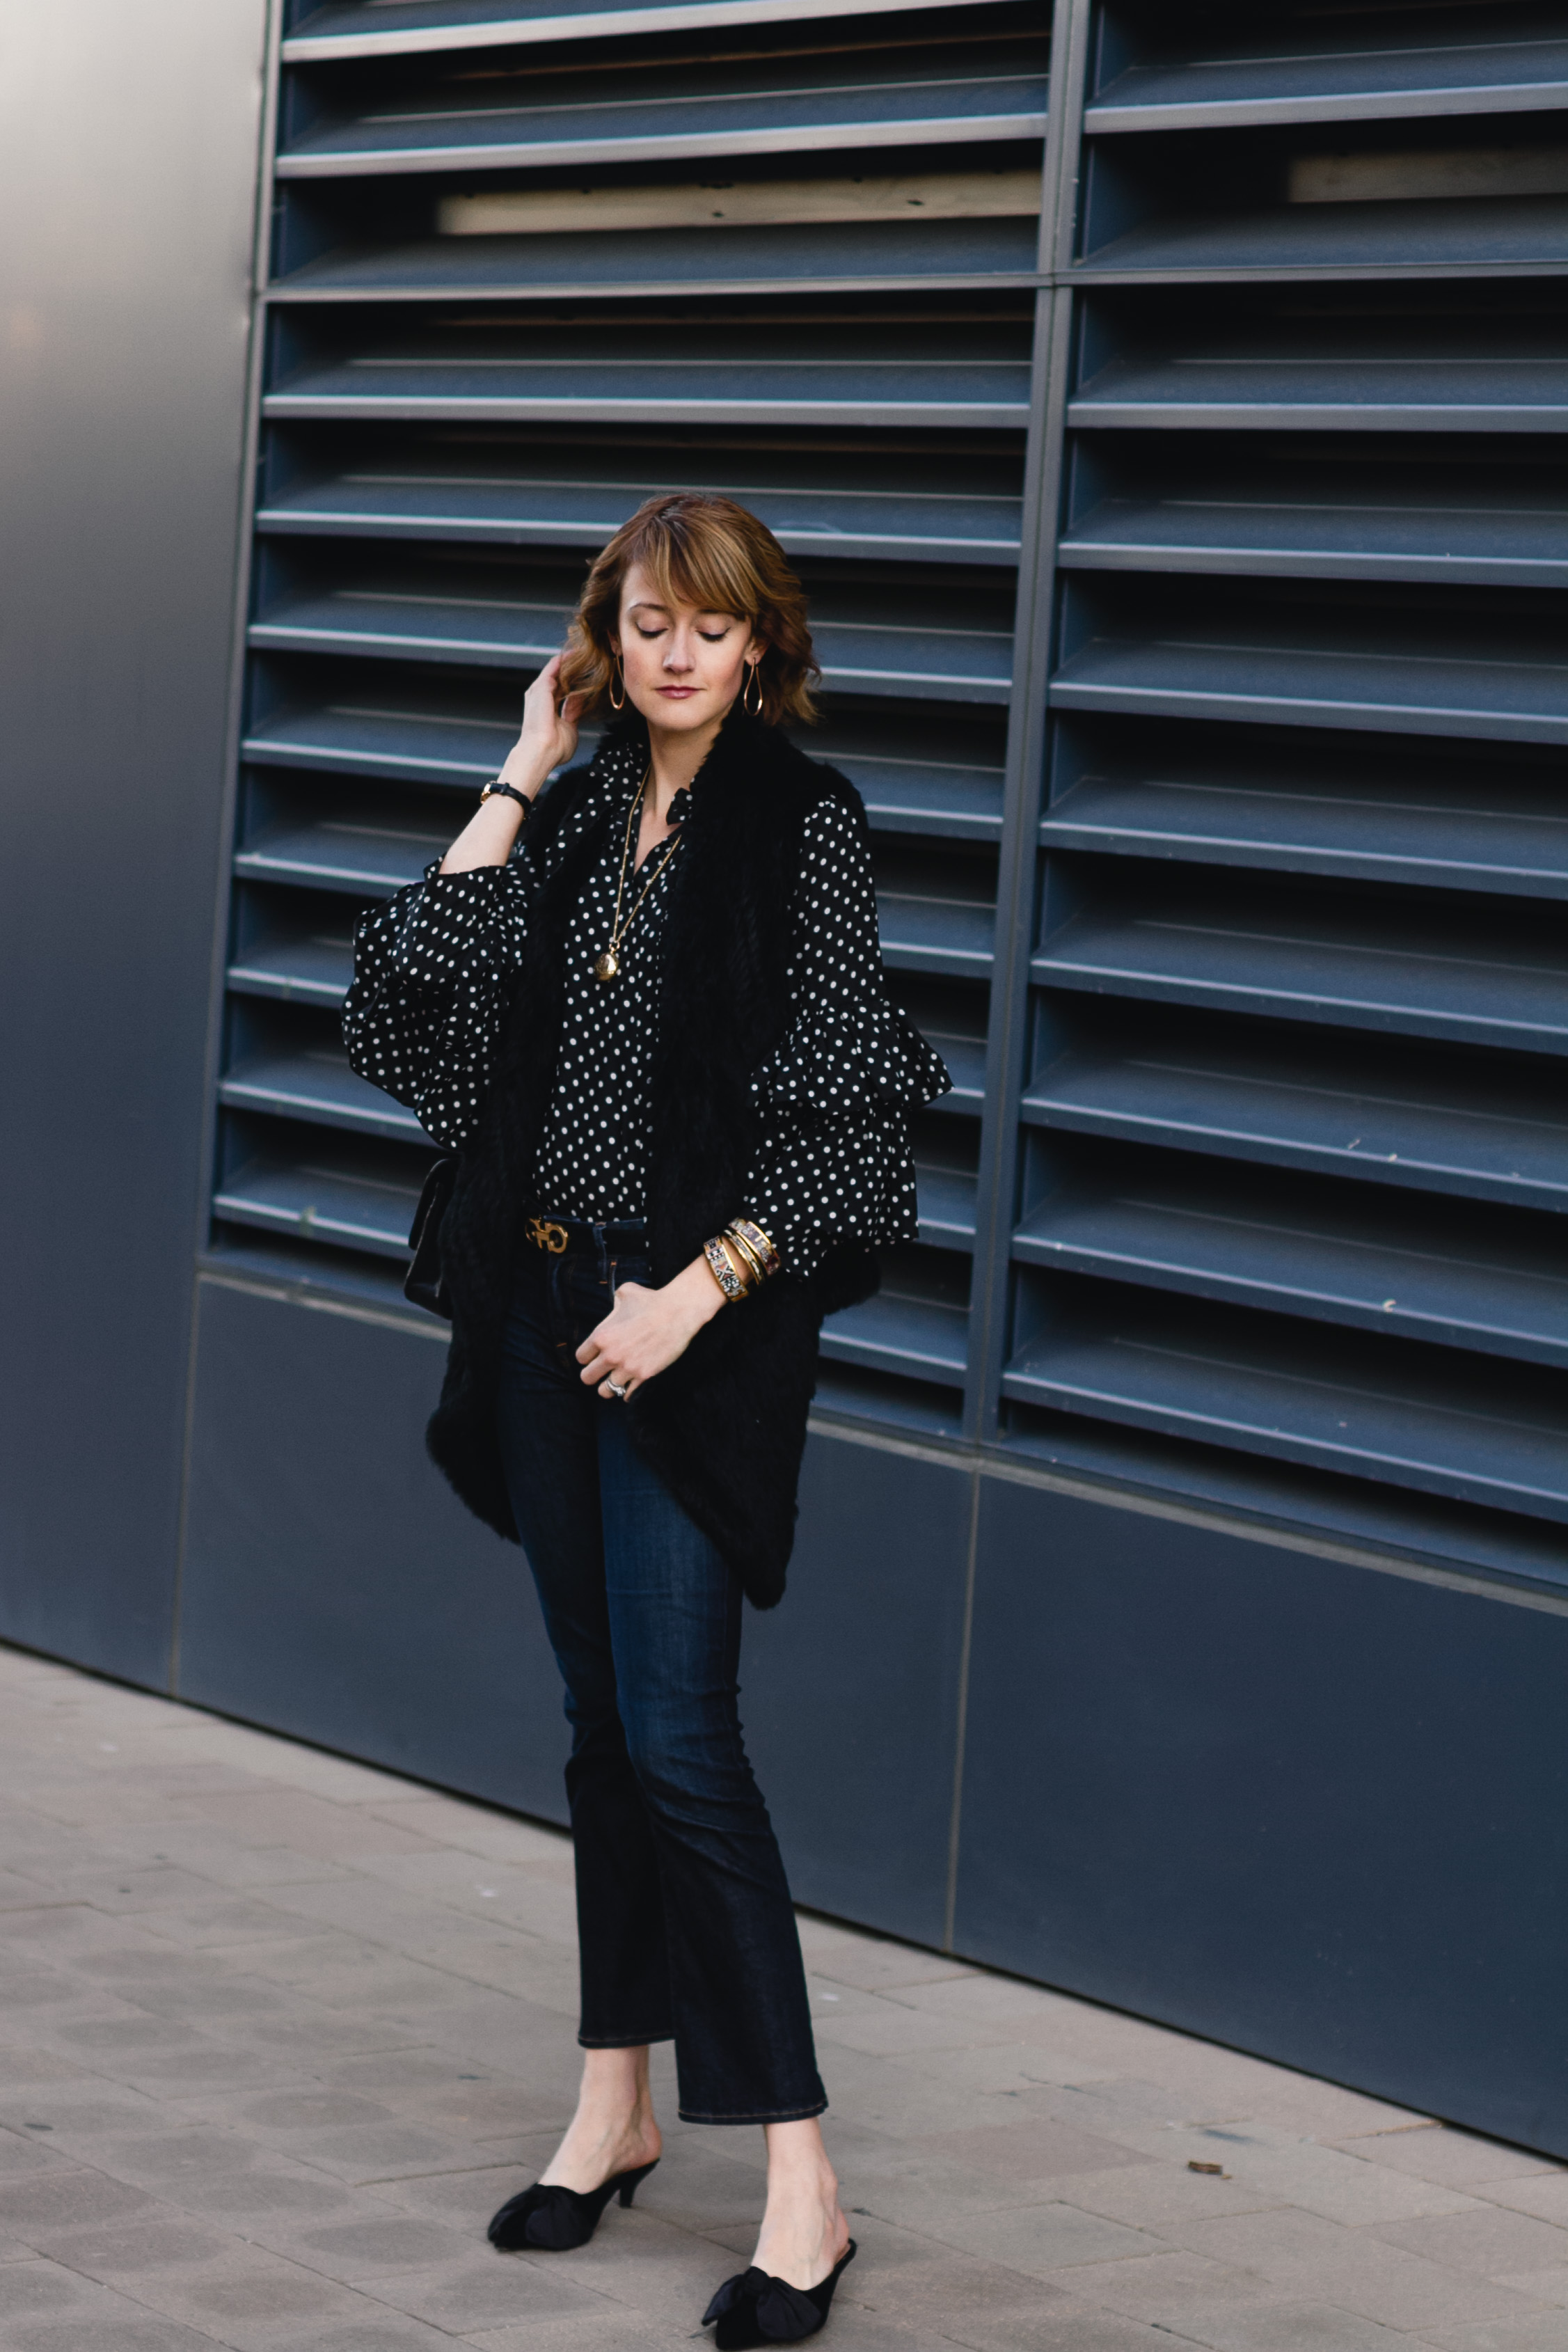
(684, 668)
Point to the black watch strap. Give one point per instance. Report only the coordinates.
(507, 791)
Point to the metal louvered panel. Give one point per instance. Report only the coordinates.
(865, 373)
(418, 27)
(1390, 1115)
(1292, 1160)
(1225, 868)
(502, 311)
(830, 257)
(1470, 822)
(872, 642)
(1376, 70)
(978, 92)
(578, 503)
(1253, 1383)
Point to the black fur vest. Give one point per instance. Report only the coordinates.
(726, 1425)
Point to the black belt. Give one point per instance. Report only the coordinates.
(622, 1237)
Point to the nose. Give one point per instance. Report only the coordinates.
(678, 655)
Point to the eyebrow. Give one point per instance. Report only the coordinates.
(652, 605)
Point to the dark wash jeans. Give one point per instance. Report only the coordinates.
(683, 1908)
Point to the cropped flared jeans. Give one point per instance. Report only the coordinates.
(684, 1914)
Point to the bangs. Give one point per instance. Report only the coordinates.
(691, 562)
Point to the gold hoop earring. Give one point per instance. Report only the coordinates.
(616, 664)
(754, 680)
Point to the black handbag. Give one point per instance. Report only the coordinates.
(422, 1285)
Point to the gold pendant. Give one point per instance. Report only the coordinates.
(606, 966)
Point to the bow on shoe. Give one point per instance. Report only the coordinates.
(778, 2312)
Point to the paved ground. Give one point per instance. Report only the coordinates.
(277, 2033)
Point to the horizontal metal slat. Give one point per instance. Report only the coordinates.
(1394, 74)
(966, 1060)
(888, 1334)
(393, 625)
(339, 854)
(319, 1204)
(1386, 1125)
(1299, 675)
(318, 1087)
(936, 935)
(1370, 382)
(1298, 967)
(485, 626)
(903, 792)
(811, 104)
(401, 743)
(918, 935)
(297, 969)
(1241, 1380)
(946, 1207)
(1389, 532)
(827, 257)
(914, 796)
(569, 507)
(642, 376)
(1425, 834)
(1519, 235)
(412, 28)
(1320, 1258)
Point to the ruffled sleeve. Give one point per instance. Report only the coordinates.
(423, 1008)
(832, 1161)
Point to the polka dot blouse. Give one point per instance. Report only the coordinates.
(831, 1160)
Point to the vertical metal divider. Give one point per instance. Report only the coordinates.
(272, 31)
(1008, 1033)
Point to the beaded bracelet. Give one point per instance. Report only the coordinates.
(724, 1274)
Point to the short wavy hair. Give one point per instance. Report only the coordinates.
(704, 549)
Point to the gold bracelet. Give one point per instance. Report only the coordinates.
(731, 1239)
(739, 1261)
(722, 1273)
(746, 1229)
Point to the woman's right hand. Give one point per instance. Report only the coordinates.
(549, 728)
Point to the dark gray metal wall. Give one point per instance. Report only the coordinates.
(1181, 1600)
(128, 144)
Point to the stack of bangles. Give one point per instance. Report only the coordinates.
(740, 1259)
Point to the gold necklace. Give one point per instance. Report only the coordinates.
(607, 963)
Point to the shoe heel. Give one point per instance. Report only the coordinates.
(634, 2181)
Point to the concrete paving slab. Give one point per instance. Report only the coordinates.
(280, 2032)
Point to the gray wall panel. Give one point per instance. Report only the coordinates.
(1309, 1809)
(849, 1689)
(129, 144)
(334, 1587)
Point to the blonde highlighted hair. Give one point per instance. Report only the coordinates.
(702, 549)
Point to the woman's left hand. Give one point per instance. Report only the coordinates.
(646, 1329)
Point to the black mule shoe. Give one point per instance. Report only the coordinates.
(554, 2219)
(753, 2308)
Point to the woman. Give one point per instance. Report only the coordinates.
(648, 1012)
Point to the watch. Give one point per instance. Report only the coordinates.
(497, 789)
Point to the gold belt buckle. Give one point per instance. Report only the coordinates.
(546, 1236)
